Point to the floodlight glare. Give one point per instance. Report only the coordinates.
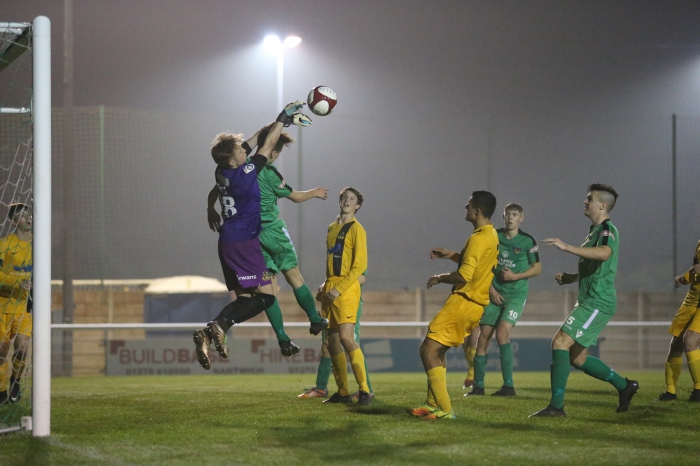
(291, 41)
(272, 42)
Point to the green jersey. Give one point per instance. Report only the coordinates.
(596, 280)
(518, 254)
(272, 187)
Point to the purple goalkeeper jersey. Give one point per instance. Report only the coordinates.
(239, 195)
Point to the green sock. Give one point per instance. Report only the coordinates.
(369, 384)
(324, 373)
(274, 315)
(307, 303)
(559, 375)
(599, 370)
(507, 364)
(479, 370)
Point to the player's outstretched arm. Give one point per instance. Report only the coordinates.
(303, 196)
(453, 278)
(597, 253)
(566, 278)
(442, 253)
(253, 140)
(213, 216)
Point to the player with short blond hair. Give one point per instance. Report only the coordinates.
(276, 244)
(241, 259)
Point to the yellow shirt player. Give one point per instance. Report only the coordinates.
(685, 329)
(346, 261)
(465, 305)
(15, 287)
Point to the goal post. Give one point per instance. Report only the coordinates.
(25, 178)
(41, 107)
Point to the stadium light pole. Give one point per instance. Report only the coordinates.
(275, 44)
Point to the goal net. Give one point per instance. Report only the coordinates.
(24, 114)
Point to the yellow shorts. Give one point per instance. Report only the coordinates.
(342, 310)
(687, 317)
(455, 321)
(15, 324)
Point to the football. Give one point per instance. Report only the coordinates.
(322, 100)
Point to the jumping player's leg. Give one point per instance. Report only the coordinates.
(304, 298)
(281, 256)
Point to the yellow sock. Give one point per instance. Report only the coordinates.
(469, 353)
(3, 375)
(673, 372)
(340, 371)
(438, 384)
(357, 361)
(430, 400)
(694, 367)
(18, 366)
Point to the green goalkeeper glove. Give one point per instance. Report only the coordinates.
(299, 119)
(286, 116)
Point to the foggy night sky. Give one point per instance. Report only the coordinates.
(533, 100)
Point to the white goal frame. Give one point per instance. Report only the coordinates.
(41, 107)
(40, 40)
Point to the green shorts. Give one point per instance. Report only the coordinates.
(277, 247)
(510, 311)
(585, 323)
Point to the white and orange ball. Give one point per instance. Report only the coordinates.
(322, 100)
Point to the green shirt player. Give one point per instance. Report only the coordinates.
(518, 261)
(596, 304)
(275, 241)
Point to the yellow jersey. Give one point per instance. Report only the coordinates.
(346, 245)
(15, 268)
(476, 264)
(692, 298)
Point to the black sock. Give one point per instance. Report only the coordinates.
(242, 309)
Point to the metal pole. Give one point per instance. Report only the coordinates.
(68, 182)
(299, 206)
(674, 196)
(103, 241)
(280, 102)
(41, 374)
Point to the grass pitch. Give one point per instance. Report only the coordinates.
(257, 420)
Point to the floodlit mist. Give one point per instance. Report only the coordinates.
(532, 100)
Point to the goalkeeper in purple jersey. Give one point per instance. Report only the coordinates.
(241, 259)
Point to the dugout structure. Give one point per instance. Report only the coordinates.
(25, 109)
